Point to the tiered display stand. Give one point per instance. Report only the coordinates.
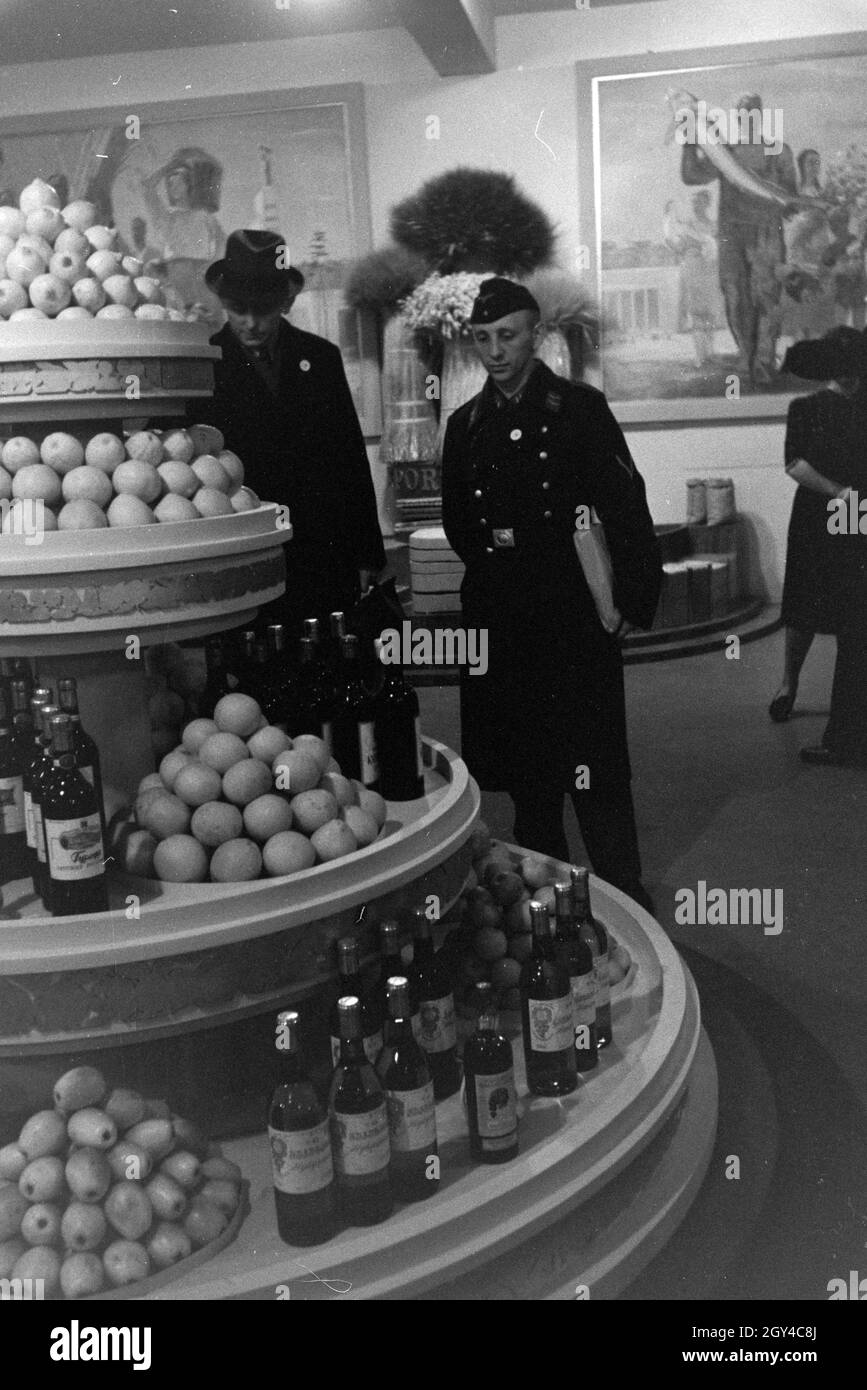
(173, 991)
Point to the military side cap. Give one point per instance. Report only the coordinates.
(498, 297)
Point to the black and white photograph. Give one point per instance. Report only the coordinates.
(433, 654)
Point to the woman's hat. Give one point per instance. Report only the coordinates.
(841, 353)
(253, 265)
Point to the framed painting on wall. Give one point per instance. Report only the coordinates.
(176, 178)
(729, 220)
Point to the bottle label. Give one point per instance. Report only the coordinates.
(437, 1018)
(415, 1024)
(603, 988)
(361, 1145)
(11, 805)
(584, 997)
(38, 832)
(411, 1119)
(326, 735)
(372, 1047)
(419, 758)
(87, 774)
(28, 821)
(551, 1028)
(496, 1106)
(301, 1159)
(75, 848)
(368, 754)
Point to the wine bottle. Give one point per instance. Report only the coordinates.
(305, 1191)
(84, 747)
(13, 839)
(353, 733)
(546, 1014)
(436, 1006)
(39, 759)
(40, 770)
(333, 653)
(220, 681)
(577, 959)
(73, 833)
(397, 728)
(409, 1096)
(489, 1085)
(359, 1127)
(277, 691)
(316, 696)
(22, 719)
(593, 932)
(350, 982)
(391, 963)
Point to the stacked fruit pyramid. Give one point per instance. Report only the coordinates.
(151, 476)
(240, 799)
(107, 1188)
(493, 937)
(59, 263)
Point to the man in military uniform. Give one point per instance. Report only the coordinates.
(523, 459)
(282, 401)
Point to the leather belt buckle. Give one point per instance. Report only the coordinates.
(504, 538)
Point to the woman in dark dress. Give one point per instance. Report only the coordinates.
(823, 439)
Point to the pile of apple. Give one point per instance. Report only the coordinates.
(494, 938)
(240, 799)
(179, 475)
(105, 1189)
(58, 263)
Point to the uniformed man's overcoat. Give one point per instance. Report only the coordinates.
(552, 699)
(302, 447)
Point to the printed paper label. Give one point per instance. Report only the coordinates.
(39, 832)
(372, 1047)
(584, 997)
(412, 1119)
(496, 1105)
(11, 805)
(368, 754)
(75, 848)
(361, 1144)
(301, 1159)
(28, 821)
(437, 1017)
(87, 774)
(551, 1027)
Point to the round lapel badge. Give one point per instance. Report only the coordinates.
(516, 434)
(304, 365)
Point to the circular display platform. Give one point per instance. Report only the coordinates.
(87, 368)
(602, 1178)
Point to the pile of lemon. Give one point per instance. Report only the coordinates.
(149, 477)
(240, 799)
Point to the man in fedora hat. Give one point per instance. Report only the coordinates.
(282, 401)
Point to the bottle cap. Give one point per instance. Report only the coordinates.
(389, 932)
(61, 734)
(420, 924)
(349, 1015)
(540, 921)
(347, 955)
(398, 996)
(276, 637)
(563, 899)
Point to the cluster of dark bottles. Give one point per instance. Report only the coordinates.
(328, 684)
(52, 820)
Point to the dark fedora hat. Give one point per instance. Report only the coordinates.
(841, 352)
(253, 265)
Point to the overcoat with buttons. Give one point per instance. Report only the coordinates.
(302, 447)
(552, 699)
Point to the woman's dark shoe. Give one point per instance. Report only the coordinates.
(781, 708)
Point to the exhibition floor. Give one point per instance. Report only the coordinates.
(722, 797)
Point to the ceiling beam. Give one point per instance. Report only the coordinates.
(456, 36)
